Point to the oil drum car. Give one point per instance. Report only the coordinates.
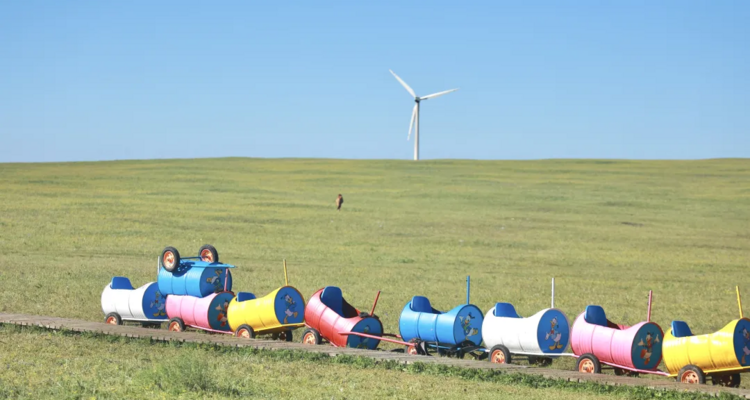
(277, 314)
(539, 338)
(121, 302)
(454, 333)
(629, 350)
(329, 317)
(206, 313)
(197, 276)
(721, 355)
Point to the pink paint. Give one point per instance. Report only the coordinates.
(611, 344)
(192, 310)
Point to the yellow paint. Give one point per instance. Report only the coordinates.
(286, 279)
(739, 300)
(713, 352)
(258, 313)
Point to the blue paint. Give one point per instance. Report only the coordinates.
(289, 306)
(553, 332)
(194, 278)
(742, 341)
(646, 352)
(450, 328)
(217, 312)
(369, 325)
(154, 303)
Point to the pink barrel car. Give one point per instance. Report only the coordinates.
(630, 350)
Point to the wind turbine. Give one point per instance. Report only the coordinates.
(415, 114)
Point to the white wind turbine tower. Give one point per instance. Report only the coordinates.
(415, 114)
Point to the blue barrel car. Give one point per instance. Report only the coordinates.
(193, 276)
(455, 332)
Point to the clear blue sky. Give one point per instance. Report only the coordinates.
(101, 80)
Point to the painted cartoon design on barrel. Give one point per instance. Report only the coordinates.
(725, 349)
(547, 331)
(142, 304)
(330, 314)
(281, 307)
(195, 278)
(422, 322)
(208, 312)
(636, 347)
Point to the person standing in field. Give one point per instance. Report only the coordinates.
(339, 202)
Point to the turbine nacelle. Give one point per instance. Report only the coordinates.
(414, 122)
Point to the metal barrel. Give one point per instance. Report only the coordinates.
(208, 312)
(547, 331)
(194, 278)
(463, 323)
(283, 306)
(331, 324)
(143, 303)
(727, 348)
(638, 346)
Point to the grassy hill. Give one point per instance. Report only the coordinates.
(609, 231)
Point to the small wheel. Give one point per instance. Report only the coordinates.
(113, 319)
(411, 350)
(691, 374)
(170, 258)
(589, 364)
(176, 325)
(209, 254)
(245, 331)
(728, 380)
(625, 372)
(540, 361)
(311, 336)
(286, 336)
(500, 355)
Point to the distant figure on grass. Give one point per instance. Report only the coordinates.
(339, 202)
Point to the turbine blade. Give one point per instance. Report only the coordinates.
(411, 123)
(432, 96)
(408, 89)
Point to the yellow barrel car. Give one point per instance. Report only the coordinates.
(722, 355)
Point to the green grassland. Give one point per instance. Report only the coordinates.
(608, 231)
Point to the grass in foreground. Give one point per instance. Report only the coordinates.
(44, 364)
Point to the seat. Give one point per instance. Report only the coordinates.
(506, 310)
(595, 315)
(421, 304)
(681, 329)
(333, 299)
(242, 296)
(120, 282)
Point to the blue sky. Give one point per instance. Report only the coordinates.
(538, 79)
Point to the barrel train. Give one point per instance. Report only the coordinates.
(196, 292)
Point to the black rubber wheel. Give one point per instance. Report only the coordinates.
(589, 364)
(625, 372)
(170, 259)
(286, 336)
(176, 325)
(728, 380)
(500, 355)
(540, 361)
(208, 254)
(311, 336)
(245, 331)
(113, 318)
(691, 374)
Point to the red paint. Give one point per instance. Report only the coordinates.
(329, 323)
